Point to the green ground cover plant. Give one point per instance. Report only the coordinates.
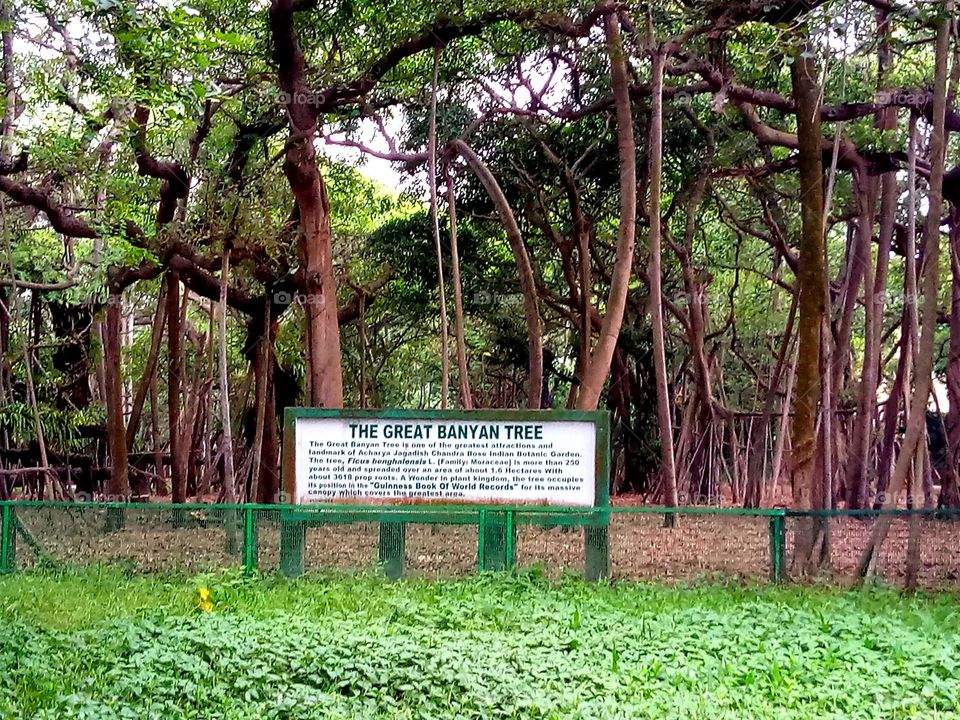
(101, 644)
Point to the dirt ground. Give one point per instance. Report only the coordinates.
(641, 548)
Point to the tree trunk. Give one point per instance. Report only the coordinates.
(209, 457)
(756, 487)
(435, 217)
(325, 374)
(463, 370)
(34, 329)
(857, 478)
(891, 415)
(697, 469)
(32, 399)
(949, 492)
(598, 366)
(911, 293)
(857, 273)
(198, 402)
(229, 476)
(668, 472)
(887, 221)
(805, 474)
(261, 359)
(10, 109)
(917, 416)
(268, 490)
(178, 485)
(324, 367)
(149, 369)
(4, 348)
(159, 487)
(528, 286)
(856, 481)
(826, 445)
(586, 304)
(783, 425)
(119, 489)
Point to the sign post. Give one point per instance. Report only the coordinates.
(487, 458)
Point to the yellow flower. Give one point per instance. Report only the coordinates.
(204, 602)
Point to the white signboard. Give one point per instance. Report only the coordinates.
(444, 461)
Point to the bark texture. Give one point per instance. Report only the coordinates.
(806, 476)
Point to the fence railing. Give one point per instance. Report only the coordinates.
(631, 543)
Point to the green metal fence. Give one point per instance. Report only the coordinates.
(629, 543)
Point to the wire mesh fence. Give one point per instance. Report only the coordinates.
(440, 551)
(646, 546)
(924, 544)
(142, 539)
(620, 543)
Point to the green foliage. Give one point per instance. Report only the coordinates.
(60, 426)
(406, 245)
(487, 647)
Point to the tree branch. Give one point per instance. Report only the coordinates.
(61, 220)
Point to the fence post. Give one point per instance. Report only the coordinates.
(393, 548)
(231, 526)
(511, 542)
(497, 540)
(7, 541)
(116, 518)
(249, 541)
(293, 539)
(596, 547)
(777, 547)
(481, 541)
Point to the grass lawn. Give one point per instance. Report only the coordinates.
(104, 645)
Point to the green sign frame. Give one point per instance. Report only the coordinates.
(496, 528)
(599, 418)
